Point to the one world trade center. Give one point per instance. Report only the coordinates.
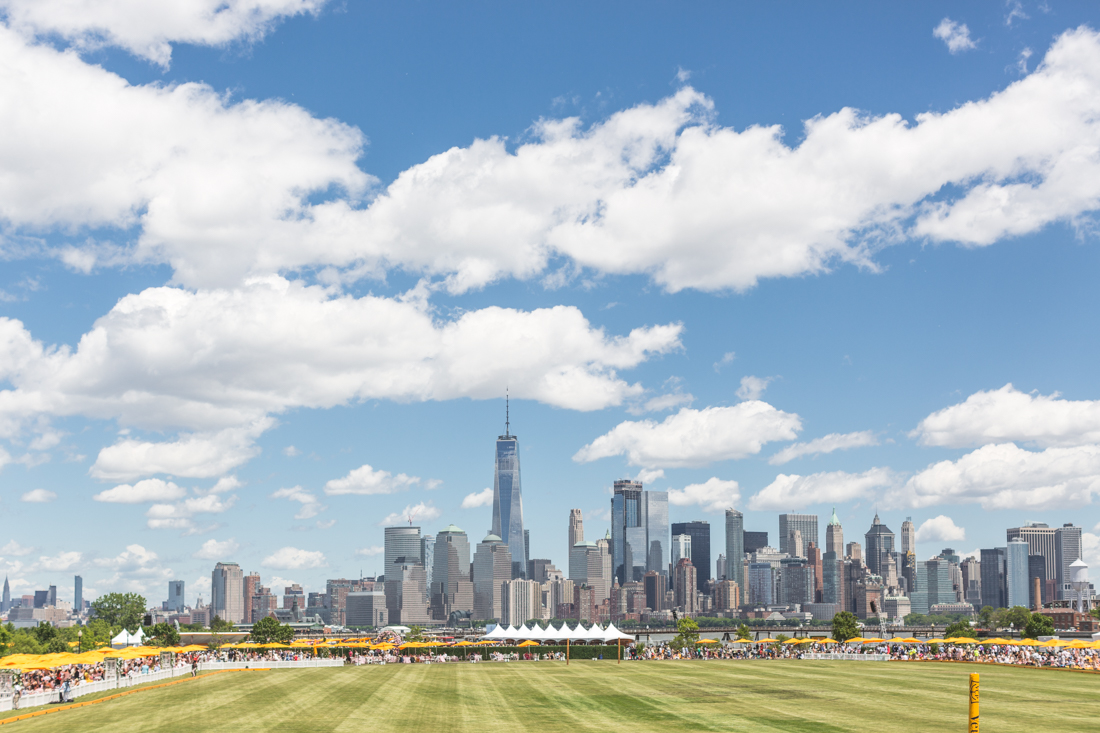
(508, 498)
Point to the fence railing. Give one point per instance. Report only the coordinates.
(833, 656)
(261, 664)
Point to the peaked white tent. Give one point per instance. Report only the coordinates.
(611, 634)
(593, 633)
(125, 638)
(496, 634)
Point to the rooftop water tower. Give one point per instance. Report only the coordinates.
(1079, 582)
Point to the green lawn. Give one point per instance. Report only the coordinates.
(600, 696)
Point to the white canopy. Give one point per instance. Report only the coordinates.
(523, 633)
(613, 634)
(593, 633)
(496, 633)
(125, 638)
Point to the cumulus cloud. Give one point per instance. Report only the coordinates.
(147, 29)
(422, 512)
(372, 551)
(695, 437)
(940, 529)
(649, 475)
(151, 489)
(752, 388)
(195, 456)
(15, 549)
(180, 515)
(1007, 414)
(1005, 476)
(59, 563)
(795, 492)
(478, 499)
(311, 507)
(291, 558)
(955, 35)
(39, 496)
(714, 495)
(214, 550)
(827, 444)
(367, 480)
(136, 569)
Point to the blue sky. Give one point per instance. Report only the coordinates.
(270, 266)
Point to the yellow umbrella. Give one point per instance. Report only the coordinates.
(877, 641)
(934, 641)
(741, 641)
(826, 640)
(911, 640)
(464, 643)
(998, 640)
(1027, 642)
(793, 641)
(896, 640)
(706, 641)
(855, 640)
(965, 640)
(528, 643)
(1079, 644)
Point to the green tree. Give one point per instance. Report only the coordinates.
(688, 634)
(743, 632)
(268, 629)
(1017, 617)
(960, 628)
(985, 617)
(163, 635)
(1038, 625)
(416, 633)
(45, 633)
(217, 625)
(120, 609)
(845, 626)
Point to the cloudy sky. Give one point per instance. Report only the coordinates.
(269, 267)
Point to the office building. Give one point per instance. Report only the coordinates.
(366, 609)
(406, 592)
(451, 587)
(720, 569)
(761, 584)
(542, 570)
(681, 548)
(993, 577)
(908, 536)
(508, 498)
(814, 560)
(656, 585)
(588, 565)
(834, 536)
(727, 596)
(78, 594)
(491, 568)
(521, 601)
(854, 551)
(294, 597)
(972, 581)
(1067, 546)
(699, 532)
(684, 587)
(227, 592)
(400, 542)
(576, 529)
(832, 579)
(51, 597)
(794, 543)
(5, 604)
(880, 547)
(176, 602)
(251, 585)
(1016, 573)
(933, 585)
(806, 524)
(1041, 540)
(796, 585)
(639, 531)
(263, 604)
(753, 541)
(427, 555)
(735, 548)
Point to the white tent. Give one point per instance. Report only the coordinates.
(523, 633)
(593, 633)
(495, 634)
(510, 633)
(551, 634)
(125, 638)
(611, 634)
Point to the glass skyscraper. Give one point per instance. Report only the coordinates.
(639, 532)
(508, 499)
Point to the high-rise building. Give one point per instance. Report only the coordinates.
(700, 549)
(880, 547)
(176, 602)
(814, 560)
(971, 570)
(806, 524)
(367, 608)
(656, 585)
(251, 585)
(684, 584)
(1036, 581)
(263, 604)
(795, 546)
(521, 601)
(727, 596)
(451, 589)
(1067, 544)
(834, 535)
(407, 592)
(735, 548)
(293, 595)
(832, 578)
(1041, 540)
(908, 536)
(754, 541)
(576, 528)
(5, 605)
(761, 584)
(227, 592)
(41, 598)
(720, 567)
(587, 565)
(492, 567)
(541, 570)
(854, 551)
(400, 542)
(796, 583)
(993, 577)
(508, 498)
(78, 594)
(51, 597)
(1016, 572)
(933, 585)
(427, 555)
(681, 548)
(639, 531)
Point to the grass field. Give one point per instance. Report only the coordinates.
(600, 696)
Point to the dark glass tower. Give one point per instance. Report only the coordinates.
(508, 498)
(700, 549)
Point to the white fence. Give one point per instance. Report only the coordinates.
(91, 688)
(832, 656)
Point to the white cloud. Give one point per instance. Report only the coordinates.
(372, 551)
(1005, 476)
(59, 563)
(147, 29)
(151, 489)
(827, 444)
(1006, 414)
(940, 529)
(15, 549)
(955, 35)
(39, 496)
(795, 492)
(669, 401)
(366, 480)
(291, 558)
(1090, 549)
(196, 456)
(290, 451)
(649, 475)
(311, 507)
(715, 495)
(214, 550)
(1022, 59)
(135, 570)
(727, 358)
(478, 499)
(422, 512)
(752, 388)
(179, 515)
(695, 437)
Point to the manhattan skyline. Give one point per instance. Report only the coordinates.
(265, 288)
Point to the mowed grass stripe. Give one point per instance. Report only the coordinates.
(603, 697)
